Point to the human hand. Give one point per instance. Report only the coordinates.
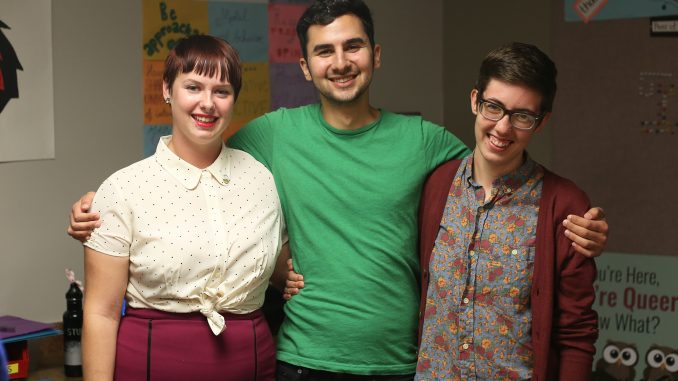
(588, 233)
(294, 282)
(83, 222)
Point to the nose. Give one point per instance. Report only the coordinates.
(341, 64)
(503, 125)
(206, 103)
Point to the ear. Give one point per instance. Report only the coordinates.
(544, 120)
(166, 91)
(377, 56)
(474, 101)
(305, 69)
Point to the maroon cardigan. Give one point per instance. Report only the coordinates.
(564, 326)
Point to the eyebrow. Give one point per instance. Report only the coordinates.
(356, 40)
(521, 110)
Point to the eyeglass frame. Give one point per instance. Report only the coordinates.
(510, 113)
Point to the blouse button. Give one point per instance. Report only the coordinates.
(466, 300)
(465, 346)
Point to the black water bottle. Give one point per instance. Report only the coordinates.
(72, 332)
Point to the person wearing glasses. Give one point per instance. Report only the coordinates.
(504, 295)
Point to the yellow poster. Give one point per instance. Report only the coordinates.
(168, 21)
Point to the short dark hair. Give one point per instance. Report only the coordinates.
(205, 55)
(324, 12)
(520, 64)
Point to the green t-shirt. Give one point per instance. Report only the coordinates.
(350, 200)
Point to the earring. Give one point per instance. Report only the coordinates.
(167, 100)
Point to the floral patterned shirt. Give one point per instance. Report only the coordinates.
(478, 317)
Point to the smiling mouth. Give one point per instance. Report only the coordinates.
(343, 79)
(499, 143)
(205, 121)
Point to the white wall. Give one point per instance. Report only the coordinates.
(98, 129)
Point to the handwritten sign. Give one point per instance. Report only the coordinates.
(244, 26)
(152, 135)
(289, 88)
(254, 99)
(282, 34)
(155, 109)
(168, 21)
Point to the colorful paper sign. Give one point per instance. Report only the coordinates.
(588, 10)
(637, 305)
(244, 26)
(289, 88)
(168, 21)
(152, 135)
(255, 97)
(282, 33)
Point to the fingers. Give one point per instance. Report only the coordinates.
(291, 289)
(82, 224)
(85, 201)
(588, 237)
(596, 213)
(81, 236)
(294, 282)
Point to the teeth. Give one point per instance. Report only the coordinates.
(342, 80)
(204, 119)
(499, 143)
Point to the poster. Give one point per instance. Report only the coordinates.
(263, 33)
(637, 305)
(26, 80)
(587, 10)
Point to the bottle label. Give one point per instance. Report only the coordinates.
(72, 354)
(73, 333)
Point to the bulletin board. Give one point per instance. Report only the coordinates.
(263, 32)
(615, 124)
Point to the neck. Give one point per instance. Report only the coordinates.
(350, 115)
(485, 173)
(196, 155)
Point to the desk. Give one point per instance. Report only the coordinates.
(52, 374)
(46, 359)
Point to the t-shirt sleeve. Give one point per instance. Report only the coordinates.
(114, 236)
(256, 138)
(441, 145)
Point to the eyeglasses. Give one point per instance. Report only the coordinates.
(518, 119)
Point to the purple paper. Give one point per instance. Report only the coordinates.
(11, 326)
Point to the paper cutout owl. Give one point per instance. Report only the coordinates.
(662, 364)
(617, 362)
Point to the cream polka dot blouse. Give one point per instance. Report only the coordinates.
(197, 239)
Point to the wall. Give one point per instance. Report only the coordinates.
(98, 129)
(98, 117)
(411, 35)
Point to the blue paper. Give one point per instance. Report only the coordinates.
(245, 26)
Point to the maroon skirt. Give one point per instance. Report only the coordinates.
(163, 346)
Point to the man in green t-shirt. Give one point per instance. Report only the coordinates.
(349, 176)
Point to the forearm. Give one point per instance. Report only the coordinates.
(576, 324)
(106, 279)
(98, 346)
